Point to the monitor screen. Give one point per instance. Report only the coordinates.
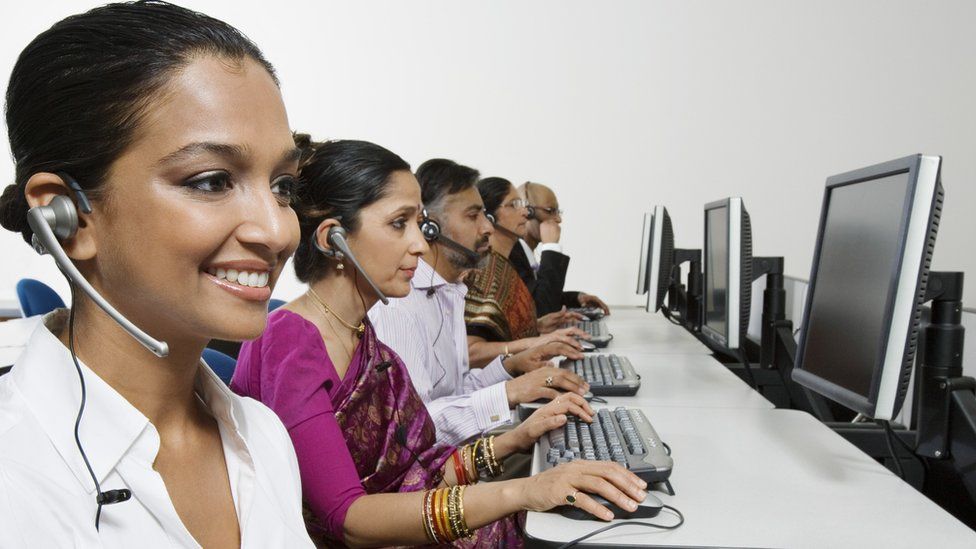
(854, 292)
(717, 269)
(643, 266)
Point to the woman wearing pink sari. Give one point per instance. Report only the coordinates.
(372, 472)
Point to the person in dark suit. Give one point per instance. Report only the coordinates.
(546, 276)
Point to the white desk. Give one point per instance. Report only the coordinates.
(772, 478)
(688, 381)
(9, 308)
(634, 329)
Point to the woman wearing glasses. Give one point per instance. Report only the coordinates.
(498, 306)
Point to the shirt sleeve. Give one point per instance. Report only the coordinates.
(547, 247)
(479, 378)
(479, 405)
(459, 418)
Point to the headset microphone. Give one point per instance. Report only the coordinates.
(337, 238)
(501, 229)
(432, 233)
(59, 219)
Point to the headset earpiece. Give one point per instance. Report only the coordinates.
(529, 212)
(337, 239)
(529, 208)
(429, 228)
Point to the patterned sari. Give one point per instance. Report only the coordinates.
(499, 306)
(375, 400)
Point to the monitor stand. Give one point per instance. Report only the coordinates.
(686, 303)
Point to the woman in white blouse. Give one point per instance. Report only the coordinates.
(170, 125)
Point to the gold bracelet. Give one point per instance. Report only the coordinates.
(443, 521)
(426, 515)
(452, 511)
(496, 467)
(463, 530)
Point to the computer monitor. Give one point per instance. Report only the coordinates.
(870, 268)
(728, 272)
(660, 259)
(645, 249)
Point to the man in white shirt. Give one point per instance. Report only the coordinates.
(427, 329)
(42, 473)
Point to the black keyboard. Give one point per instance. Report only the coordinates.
(623, 435)
(597, 329)
(608, 375)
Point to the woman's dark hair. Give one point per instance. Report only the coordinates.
(80, 89)
(493, 191)
(337, 179)
(440, 177)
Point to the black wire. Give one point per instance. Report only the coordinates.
(748, 368)
(666, 447)
(81, 407)
(681, 520)
(440, 326)
(913, 452)
(891, 448)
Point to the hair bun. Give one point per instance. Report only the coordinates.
(13, 211)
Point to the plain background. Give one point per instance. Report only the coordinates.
(619, 106)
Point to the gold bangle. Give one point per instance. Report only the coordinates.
(442, 514)
(427, 517)
(452, 512)
(464, 531)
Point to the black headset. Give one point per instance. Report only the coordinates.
(337, 238)
(529, 208)
(432, 232)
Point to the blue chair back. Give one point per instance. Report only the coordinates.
(274, 304)
(222, 365)
(37, 298)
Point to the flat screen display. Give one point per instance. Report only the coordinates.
(855, 281)
(717, 269)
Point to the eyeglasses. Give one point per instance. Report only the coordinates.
(516, 204)
(550, 211)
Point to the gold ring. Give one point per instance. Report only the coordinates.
(549, 381)
(571, 499)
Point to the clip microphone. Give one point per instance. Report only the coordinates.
(383, 366)
(431, 291)
(113, 496)
(59, 219)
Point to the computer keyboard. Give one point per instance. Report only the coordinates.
(608, 375)
(597, 329)
(623, 435)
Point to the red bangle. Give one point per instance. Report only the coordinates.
(459, 473)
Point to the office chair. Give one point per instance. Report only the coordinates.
(221, 364)
(37, 298)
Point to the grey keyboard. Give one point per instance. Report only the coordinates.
(608, 375)
(597, 330)
(623, 435)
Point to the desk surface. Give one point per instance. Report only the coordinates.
(688, 380)
(634, 329)
(772, 478)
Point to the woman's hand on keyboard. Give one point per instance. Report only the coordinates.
(609, 480)
(545, 419)
(535, 385)
(540, 356)
(568, 337)
(554, 321)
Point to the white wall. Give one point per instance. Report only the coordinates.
(621, 105)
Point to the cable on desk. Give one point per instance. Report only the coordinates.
(598, 400)
(891, 448)
(681, 520)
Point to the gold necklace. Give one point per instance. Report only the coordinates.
(335, 331)
(358, 330)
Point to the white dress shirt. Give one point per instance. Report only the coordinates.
(426, 328)
(535, 256)
(47, 497)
